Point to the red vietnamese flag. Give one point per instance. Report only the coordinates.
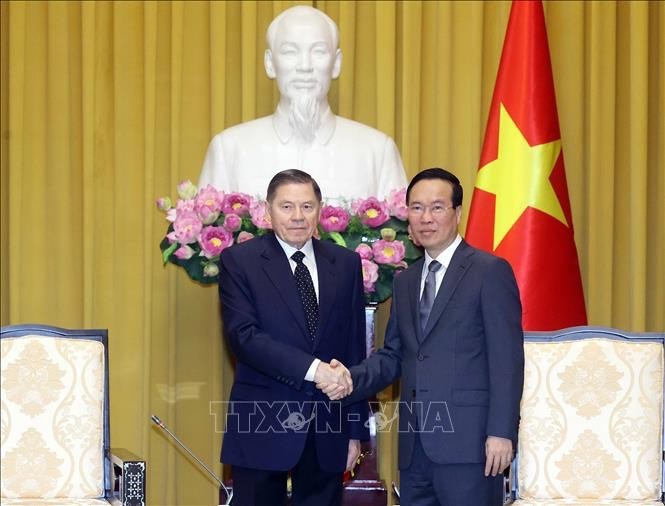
(520, 208)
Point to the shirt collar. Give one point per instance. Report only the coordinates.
(445, 256)
(307, 249)
(284, 131)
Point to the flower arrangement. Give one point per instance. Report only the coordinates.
(204, 222)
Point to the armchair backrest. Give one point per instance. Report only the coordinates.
(55, 413)
(591, 416)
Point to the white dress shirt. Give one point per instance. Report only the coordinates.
(310, 263)
(444, 259)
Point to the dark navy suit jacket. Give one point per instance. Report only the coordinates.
(264, 322)
(462, 377)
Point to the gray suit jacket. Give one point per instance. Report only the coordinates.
(462, 377)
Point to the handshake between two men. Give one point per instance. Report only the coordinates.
(333, 379)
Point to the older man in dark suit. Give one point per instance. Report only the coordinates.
(290, 304)
(456, 339)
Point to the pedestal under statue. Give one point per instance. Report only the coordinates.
(348, 159)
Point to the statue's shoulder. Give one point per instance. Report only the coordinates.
(353, 128)
(247, 131)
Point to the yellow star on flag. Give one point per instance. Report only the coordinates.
(519, 177)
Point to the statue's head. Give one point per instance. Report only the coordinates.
(303, 54)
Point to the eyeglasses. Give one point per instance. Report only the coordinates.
(436, 209)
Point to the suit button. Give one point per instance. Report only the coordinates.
(421, 357)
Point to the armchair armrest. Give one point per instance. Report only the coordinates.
(129, 475)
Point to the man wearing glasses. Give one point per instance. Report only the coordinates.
(455, 337)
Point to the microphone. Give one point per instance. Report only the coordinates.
(160, 424)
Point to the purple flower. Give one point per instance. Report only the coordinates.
(259, 213)
(334, 219)
(184, 252)
(214, 240)
(397, 204)
(164, 204)
(244, 236)
(373, 212)
(370, 275)
(187, 227)
(208, 204)
(232, 222)
(365, 251)
(237, 203)
(388, 252)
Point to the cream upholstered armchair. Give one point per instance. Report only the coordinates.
(591, 429)
(55, 421)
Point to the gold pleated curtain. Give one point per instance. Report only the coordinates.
(108, 105)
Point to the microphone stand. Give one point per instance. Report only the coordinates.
(160, 424)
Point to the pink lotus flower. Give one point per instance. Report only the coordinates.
(164, 204)
(214, 240)
(185, 206)
(397, 204)
(187, 228)
(259, 213)
(232, 222)
(208, 204)
(388, 252)
(365, 251)
(237, 203)
(186, 190)
(171, 214)
(244, 236)
(373, 212)
(334, 219)
(370, 275)
(184, 252)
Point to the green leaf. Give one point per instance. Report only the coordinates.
(167, 252)
(337, 237)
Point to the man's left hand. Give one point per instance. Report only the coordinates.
(354, 453)
(499, 452)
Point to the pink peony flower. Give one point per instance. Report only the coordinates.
(244, 236)
(214, 240)
(185, 206)
(388, 252)
(186, 190)
(237, 203)
(232, 222)
(259, 213)
(171, 214)
(208, 204)
(397, 204)
(210, 270)
(164, 204)
(187, 228)
(373, 212)
(334, 219)
(365, 251)
(184, 252)
(370, 275)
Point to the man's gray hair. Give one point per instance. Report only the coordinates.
(298, 9)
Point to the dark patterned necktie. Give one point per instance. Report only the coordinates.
(429, 293)
(307, 293)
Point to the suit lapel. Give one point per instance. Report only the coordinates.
(453, 275)
(326, 272)
(278, 271)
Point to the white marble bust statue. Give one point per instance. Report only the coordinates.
(348, 159)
